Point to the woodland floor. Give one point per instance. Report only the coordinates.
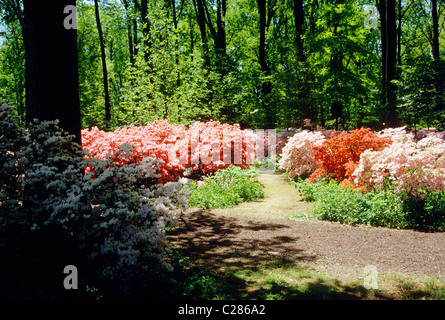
(257, 234)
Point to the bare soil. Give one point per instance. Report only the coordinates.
(251, 233)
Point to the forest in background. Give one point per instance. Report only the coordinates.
(259, 63)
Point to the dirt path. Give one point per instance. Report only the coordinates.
(251, 233)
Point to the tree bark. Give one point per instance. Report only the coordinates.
(201, 19)
(129, 31)
(142, 7)
(51, 65)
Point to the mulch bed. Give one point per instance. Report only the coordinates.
(219, 241)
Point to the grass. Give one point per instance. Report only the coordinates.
(276, 280)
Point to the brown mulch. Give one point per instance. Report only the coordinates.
(250, 234)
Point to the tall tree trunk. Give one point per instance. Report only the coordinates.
(175, 25)
(201, 19)
(435, 30)
(399, 33)
(146, 30)
(51, 65)
(266, 87)
(221, 36)
(387, 10)
(129, 31)
(104, 66)
(299, 28)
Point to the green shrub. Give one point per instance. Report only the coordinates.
(427, 213)
(226, 188)
(379, 208)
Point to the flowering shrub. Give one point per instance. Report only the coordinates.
(118, 218)
(337, 157)
(212, 146)
(405, 166)
(203, 148)
(396, 134)
(297, 157)
(155, 139)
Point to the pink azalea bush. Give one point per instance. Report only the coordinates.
(405, 166)
(203, 148)
(153, 140)
(213, 145)
(297, 157)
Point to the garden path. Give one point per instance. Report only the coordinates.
(251, 233)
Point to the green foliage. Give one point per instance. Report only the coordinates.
(169, 68)
(377, 208)
(12, 70)
(422, 93)
(226, 188)
(428, 213)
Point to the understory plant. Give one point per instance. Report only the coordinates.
(226, 188)
(385, 207)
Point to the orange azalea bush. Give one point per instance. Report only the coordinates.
(338, 156)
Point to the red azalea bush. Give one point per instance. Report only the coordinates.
(338, 156)
(202, 148)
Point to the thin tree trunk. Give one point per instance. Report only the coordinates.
(299, 28)
(104, 66)
(266, 87)
(387, 9)
(435, 30)
(201, 19)
(129, 32)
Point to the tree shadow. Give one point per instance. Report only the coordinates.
(226, 249)
(224, 242)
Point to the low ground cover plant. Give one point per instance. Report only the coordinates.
(226, 188)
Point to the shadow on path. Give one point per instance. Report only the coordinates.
(231, 248)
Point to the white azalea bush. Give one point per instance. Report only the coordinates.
(297, 157)
(117, 214)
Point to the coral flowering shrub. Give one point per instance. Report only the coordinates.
(202, 148)
(212, 145)
(338, 156)
(153, 140)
